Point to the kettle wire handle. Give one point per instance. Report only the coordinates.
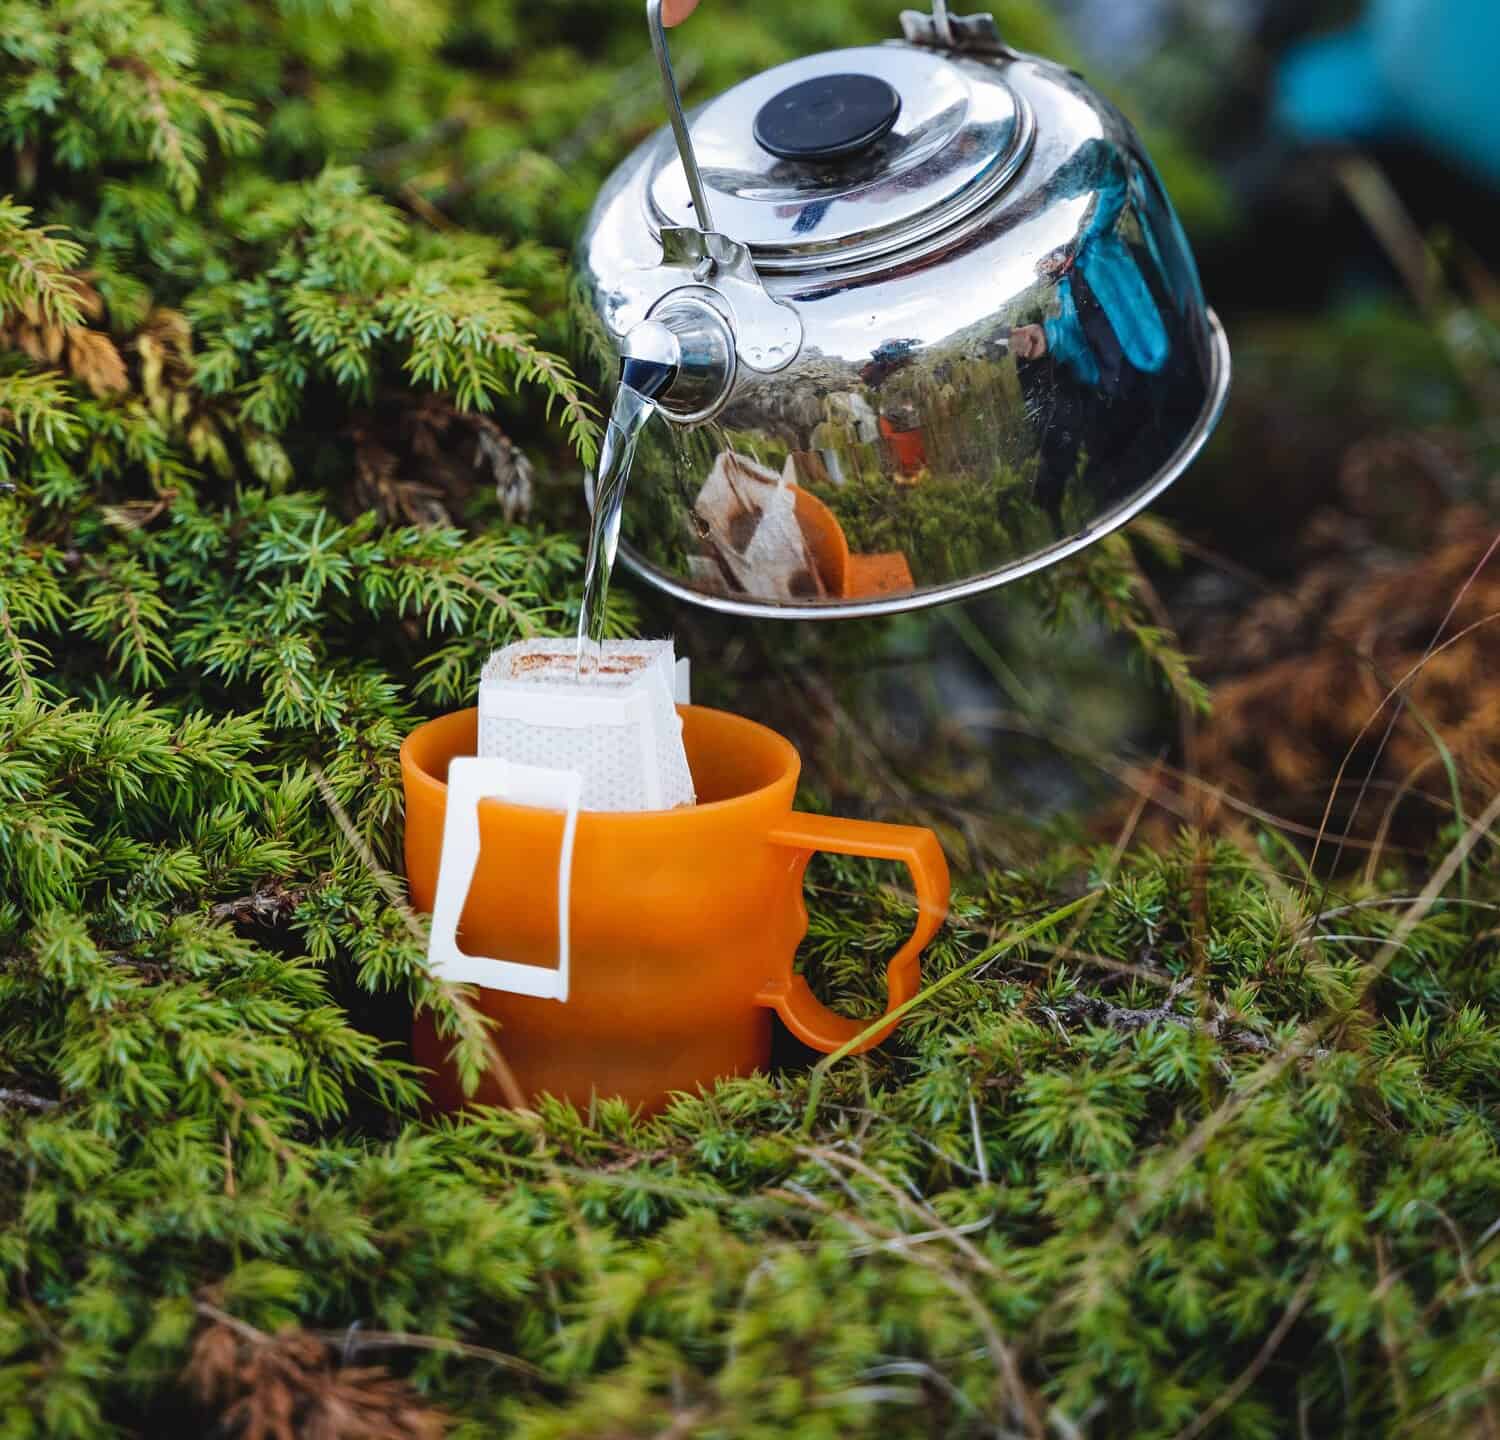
(942, 26)
(674, 114)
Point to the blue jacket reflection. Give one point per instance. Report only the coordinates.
(1102, 269)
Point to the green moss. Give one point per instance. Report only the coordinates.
(1216, 1153)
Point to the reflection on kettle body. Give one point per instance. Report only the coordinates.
(767, 535)
(1097, 366)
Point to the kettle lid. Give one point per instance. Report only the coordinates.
(860, 152)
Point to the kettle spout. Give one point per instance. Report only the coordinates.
(681, 357)
(650, 360)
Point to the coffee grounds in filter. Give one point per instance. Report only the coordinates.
(617, 728)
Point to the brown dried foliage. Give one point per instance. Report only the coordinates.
(418, 459)
(1303, 673)
(167, 382)
(287, 1387)
(88, 355)
(1280, 732)
(1337, 683)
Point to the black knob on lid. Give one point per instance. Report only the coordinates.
(827, 117)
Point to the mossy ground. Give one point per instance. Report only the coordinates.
(1190, 1137)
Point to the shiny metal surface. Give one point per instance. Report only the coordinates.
(960, 136)
(687, 160)
(999, 390)
(703, 354)
(651, 343)
(767, 331)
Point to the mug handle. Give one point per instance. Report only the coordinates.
(788, 993)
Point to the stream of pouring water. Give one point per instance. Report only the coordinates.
(641, 381)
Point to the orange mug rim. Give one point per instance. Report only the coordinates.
(789, 769)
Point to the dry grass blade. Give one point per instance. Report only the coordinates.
(1162, 1177)
(1376, 200)
(1015, 1396)
(1393, 694)
(1388, 816)
(924, 1213)
(1247, 1377)
(1018, 937)
(1434, 737)
(1121, 845)
(353, 1340)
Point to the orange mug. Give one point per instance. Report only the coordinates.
(683, 924)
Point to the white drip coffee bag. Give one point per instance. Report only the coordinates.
(611, 741)
(617, 729)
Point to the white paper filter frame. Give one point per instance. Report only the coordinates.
(470, 780)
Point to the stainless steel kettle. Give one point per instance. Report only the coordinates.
(923, 318)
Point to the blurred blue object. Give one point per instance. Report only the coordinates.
(1418, 69)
